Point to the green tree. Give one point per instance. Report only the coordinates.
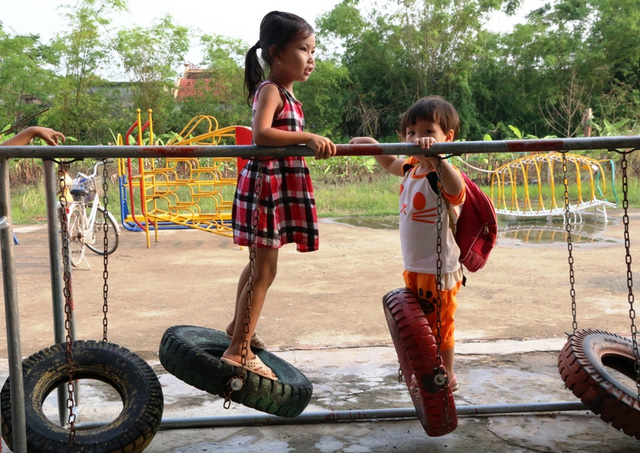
(79, 106)
(150, 56)
(574, 53)
(325, 99)
(24, 77)
(404, 51)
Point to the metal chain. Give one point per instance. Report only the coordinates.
(235, 383)
(105, 271)
(68, 301)
(438, 377)
(627, 246)
(567, 226)
(439, 267)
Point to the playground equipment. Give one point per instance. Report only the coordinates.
(70, 361)
(586, 361)
(8, 262)
(537, 175)
(180, 192)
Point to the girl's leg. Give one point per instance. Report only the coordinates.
(266, 267)
(242, 282)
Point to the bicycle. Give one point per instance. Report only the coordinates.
(86, 219)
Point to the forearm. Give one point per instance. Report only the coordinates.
(276, 137)
(49, 136)
(20, 139)
(452, 182)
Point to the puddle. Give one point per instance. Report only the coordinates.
(591, 230)
(374, 222)
(514, 231)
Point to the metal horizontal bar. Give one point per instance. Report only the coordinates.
(351, 416)
(246, 151)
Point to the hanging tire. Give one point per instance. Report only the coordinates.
(133, 379)
(193, 354)
(583, 364)
(417, 353)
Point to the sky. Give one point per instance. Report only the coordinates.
(233, 19)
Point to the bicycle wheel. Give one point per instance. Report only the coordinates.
(76, 235)
(113, 233)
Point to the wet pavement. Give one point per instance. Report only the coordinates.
(325, 318)
(493, 377)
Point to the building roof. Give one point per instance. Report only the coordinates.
(195, 82)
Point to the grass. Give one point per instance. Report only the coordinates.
(377, 196)
(28, 204)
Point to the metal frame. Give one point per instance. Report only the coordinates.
(99, 152)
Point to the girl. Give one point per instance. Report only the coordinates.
(286, 205)
(430, 120)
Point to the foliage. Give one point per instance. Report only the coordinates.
(25, 80)
(374, 59)
(221, 93)
(77, 107)
(340, 170)
(403, 52)
(325, 101)
(149, 55)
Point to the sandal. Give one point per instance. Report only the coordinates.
(256, 341)
(254, 365)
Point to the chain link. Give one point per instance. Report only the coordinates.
(627, 247)
(255, 219)
(439, 362)
(68, 301)
(567, 226)
(439, 267)
(105, 271)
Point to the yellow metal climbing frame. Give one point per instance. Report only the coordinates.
(185, 192)
(533, 186)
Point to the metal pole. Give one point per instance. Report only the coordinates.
(55, 260)
(247, 151)
(351, 416)
(11, 314)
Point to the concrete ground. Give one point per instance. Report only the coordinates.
(324, 316)
(361, 379)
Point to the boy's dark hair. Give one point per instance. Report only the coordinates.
(276, 31)
(431, 108)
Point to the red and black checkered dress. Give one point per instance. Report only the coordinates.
(287, 207)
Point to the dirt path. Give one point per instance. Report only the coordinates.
(328, 298)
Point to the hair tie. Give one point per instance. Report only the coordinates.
(256, 45)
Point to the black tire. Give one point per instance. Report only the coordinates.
(583, 364)
(113, 233)
(133, 379)
(417, 353)
(193, 353)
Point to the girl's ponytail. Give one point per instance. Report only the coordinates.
(253, 72)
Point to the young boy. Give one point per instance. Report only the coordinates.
(430, 120)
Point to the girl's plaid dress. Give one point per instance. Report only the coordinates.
(287, 207)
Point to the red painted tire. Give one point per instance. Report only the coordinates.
(417, 353)
(584, 365)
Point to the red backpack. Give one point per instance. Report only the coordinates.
(477, 228)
